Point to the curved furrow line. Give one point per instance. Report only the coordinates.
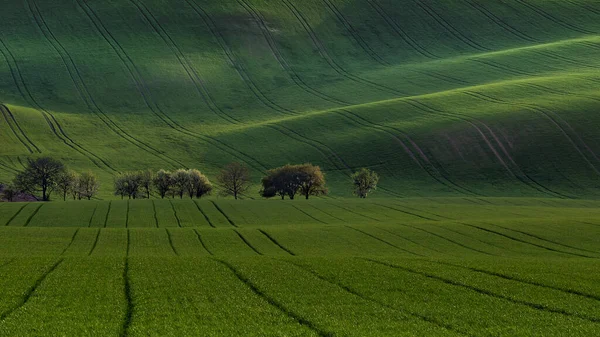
(275, 242)
(261, 22)
(21, 135)
(524, 241)
(514, 170)
(409, 240)
(183, 61)
(92, 216)
(554, 19)
(70, 242)
(446, 239)
(202, 242)
(500, 67)
(29, 292)
(275, 303)
(8, 168)
(542, 239)
(204, 214)
(564, 59)
(453, 31)
(326, 213)
(355, 35)
(424, 318)
(32, 215)
(308, 215)
(246, 242)
(52, 122)
(558, 122)
(95, 243)
(442, 77)
(154, 214)
(485, 292)
(175, 213)
(147, 97)
(522, 280)
(356, 213)
(400, 32)
(421, 159)
(478, 240)
(382, 240)
(83, 91)
(171, 242)
(407, 212)
(224, 214)
(330, 61)
(557, 91)
(499, 22)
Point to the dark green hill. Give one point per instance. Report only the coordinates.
(441, 97)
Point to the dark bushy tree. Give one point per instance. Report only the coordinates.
(364, 182)
(289, 180)
(162, 182)
(39, 176)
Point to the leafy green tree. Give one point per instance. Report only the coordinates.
(312, 180)
(198, 185)
(66, 182)
(234, 179)
(364, 182)
(88, 185)
(163, 182)
(181, 181)
(39, 176)
(146, 178)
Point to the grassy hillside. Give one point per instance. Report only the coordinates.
(427, 267)
(441, 97)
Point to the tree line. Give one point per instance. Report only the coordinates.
(43, 176)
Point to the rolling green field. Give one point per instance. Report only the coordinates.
(442, 98)
(409, 267)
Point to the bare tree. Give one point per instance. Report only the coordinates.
(39, 176)
(364, 182)
(234, 179)
(65, 182)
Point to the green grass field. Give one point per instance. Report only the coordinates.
(442, 98)
(407, 267)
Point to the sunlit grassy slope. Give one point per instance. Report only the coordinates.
(440, 97)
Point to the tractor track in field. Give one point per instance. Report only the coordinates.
(400, 32)
(481, 291)
(92, 216)
(202, 242)
(261, 22)
(382, 240)
(522, 280)
(326, 213)
(171, 242)
(356, 213)
(185, 63)
(127, 319)
(406, 212)
(50, 119)
(449, 28)
(478, 240)
(515, 170)
(247, 243)
(355, 35)
(327, 57)
(147, 95)
(224, 214)
(308, 215)
(421, 159)
(175, 213)
(506, 236)
(8, 168)
(32, 215)
(82, 88)
(275, 242)
(95, 243)
(273, 302)
(562, 125)
(499, 21)
(107, 213)
(554, 19)
(30, 291)
(447, 239)
(15, 215)
(155, 215)
(349, 290)
(542, 239)
(204, 214)
(12, 123)
(407, 239)
(70, 242)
